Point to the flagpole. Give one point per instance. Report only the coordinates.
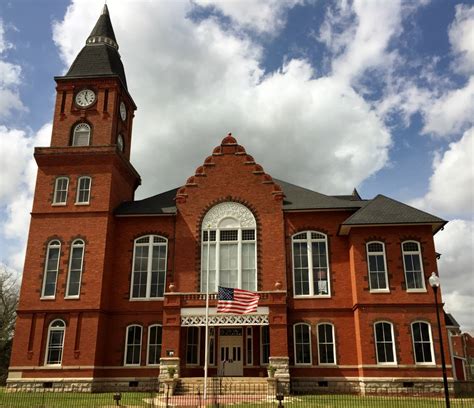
(206, 351)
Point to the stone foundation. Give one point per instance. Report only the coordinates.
(282, 373)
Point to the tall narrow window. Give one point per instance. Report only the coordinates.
(310, 264)
(422, 343)
(377, 266)
(154, 344)
(229, 238)
(81, 135)
(60, 190)
(302, 338)
(51, 269)
(75, 269)
(192, 346)
(326, 344)
(133, 345)
(384, 343)
(212, 346)
(414, 276)
(265, 343)
(149, 267)
(55, 343)
(83, 190)
(249, 344)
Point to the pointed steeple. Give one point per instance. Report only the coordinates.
(100, 56)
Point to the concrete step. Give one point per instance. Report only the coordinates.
(223, 386)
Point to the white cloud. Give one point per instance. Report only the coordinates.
(451, 187)
(264, 16)
(456, 245)
(4, 44)
(461, 37)
(194, 82)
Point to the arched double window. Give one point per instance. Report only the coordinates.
(377, 266)
(133, 345)
(326, 344)
(76, 262)
(422, 343)
(302, 343)
(149, 267)
(81, 134)
(55, 342)
(310, 264)
(229, 238)
(51, 267)
(414, 276)
(384, 343)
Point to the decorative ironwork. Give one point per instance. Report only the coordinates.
(226, 320)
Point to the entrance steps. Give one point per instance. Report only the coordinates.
(223, 386)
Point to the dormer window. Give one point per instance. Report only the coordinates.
(81, 134)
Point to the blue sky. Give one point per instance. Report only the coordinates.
(330, 95)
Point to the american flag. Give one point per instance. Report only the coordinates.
(237, 301)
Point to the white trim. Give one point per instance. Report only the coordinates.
(418, 252)
(392, 333)
(150, 245)
(126, 347)
(310, 344)
(83, 245)
(308, 240)
(148, 344)
(50, 328)
(78, 190)
(333, 334)
(55, 192)
(81, 124)
(383, 253)
(433, 359)
(50, 244)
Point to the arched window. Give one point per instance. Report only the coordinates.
(60, 190)
(302, 342)
(414, 276)
(51, 267)
(81, 134)
(422, 343)
(310, 264)
(55, 342)
(133, 345)
(384, 343)
(149, 267)
(83, 190)
(229, 237)
(326, 344)
(155, 333)
(76, 261)
(377, 265)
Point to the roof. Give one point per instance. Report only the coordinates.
(158, 204)
(450, 320)
(100, 56)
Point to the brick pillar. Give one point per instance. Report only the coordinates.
(279, 340)
(170, 347)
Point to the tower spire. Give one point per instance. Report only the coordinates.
(103, 32)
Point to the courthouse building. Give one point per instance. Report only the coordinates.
(113, 288)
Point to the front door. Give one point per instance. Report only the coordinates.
(230, 351)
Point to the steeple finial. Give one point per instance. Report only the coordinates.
(105, 10)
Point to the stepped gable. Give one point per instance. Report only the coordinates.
(229, 146)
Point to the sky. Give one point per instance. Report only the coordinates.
(329, 95)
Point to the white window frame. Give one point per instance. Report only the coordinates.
(55, 243)
(310, 344)
(249, 336)
(309, 241)
(333, 333)
(392, 333)
(148, 344)
(418, 252)
(74, 131)
(56, 191)
(433, 358)
(150, 244)
(262, 363)
(383, 253)
(126, 346)
(198, 346)
(78, 192)
(50, 329)
(78, 243)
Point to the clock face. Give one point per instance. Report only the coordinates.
(85, 98)
(123, 111)
(120, 143)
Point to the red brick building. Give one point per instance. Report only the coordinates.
(113, 288)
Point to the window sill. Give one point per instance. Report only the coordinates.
(82, 204)
(58, 204)
(393, 365)
(379, 291)
(146, 299)
(327, 364)
(421, 290)
(132, 365)
(71, 297)
(426, 364)
(311, 296)
(48, 298)
(303, 364)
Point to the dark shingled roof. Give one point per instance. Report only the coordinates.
(100, 56)
(384, 210)
(158, 204)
